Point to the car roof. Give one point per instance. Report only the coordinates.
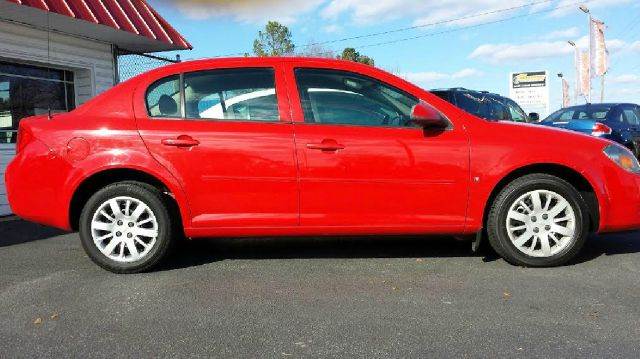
(252, 61)
(604, 104)
(462, 89)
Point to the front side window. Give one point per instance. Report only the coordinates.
(339, 97)
(561, 115)
(231, 94)
(498, 110)
(630, 115)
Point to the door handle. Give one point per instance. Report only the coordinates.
(327, 145)
(181, 141)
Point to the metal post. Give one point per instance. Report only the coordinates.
(602, 88)
(115, 64)
(560, 75)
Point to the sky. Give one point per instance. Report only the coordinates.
(451, 43)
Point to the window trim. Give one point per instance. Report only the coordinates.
(182, 105)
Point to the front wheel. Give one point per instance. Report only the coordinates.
(126, 227)
(538, 220)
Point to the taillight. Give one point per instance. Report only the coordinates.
(600, 129)
(24, 137)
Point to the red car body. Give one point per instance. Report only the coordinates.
(253, 178)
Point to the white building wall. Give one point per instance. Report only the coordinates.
(91, 61)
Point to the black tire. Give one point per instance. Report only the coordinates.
(166, 226)
(497, 220)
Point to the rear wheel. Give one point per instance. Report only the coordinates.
(538, 220)
(126, 227)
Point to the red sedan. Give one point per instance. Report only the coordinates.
(291, 147)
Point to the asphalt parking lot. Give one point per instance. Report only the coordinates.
(316, 297)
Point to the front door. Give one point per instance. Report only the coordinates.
(221, 133)
(365, 167)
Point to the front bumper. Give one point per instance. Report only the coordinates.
(623, 210)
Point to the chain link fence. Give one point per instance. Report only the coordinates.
(133, 64)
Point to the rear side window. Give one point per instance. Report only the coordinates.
(231, 94)
(163, 97)
(592, 113)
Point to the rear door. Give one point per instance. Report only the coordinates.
(226, 135)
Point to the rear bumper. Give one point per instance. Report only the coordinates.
(34, 181)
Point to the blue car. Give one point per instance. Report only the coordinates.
(619, 122)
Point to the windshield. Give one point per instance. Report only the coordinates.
(595, 112)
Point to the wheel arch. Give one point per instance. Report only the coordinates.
(89, 185)
(575, 178)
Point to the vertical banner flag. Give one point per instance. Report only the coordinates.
(566, 100)
(585, 74)
(599, 52)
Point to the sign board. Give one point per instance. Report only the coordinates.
(531, 91)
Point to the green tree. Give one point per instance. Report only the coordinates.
(315, 49)
(351, 54)
(275, 40)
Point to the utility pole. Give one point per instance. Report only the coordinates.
(560, 75)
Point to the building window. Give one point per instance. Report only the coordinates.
(30, 90)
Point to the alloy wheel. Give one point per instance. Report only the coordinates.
(124, 229)
(541, 223)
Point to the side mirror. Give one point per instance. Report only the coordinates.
(426, 116)
(534, 117)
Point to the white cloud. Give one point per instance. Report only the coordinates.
(565, 7)
(424, 77)
(624, 79)
(507, 52)
(419, 12)
(250, 11)
(499, 53)
(563, 34)
(423, 11)
(464, 73)
(433, 11)
(429, 77)
(332, 28)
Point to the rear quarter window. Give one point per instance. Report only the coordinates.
(163, 97)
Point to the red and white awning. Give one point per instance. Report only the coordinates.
(134, 17)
